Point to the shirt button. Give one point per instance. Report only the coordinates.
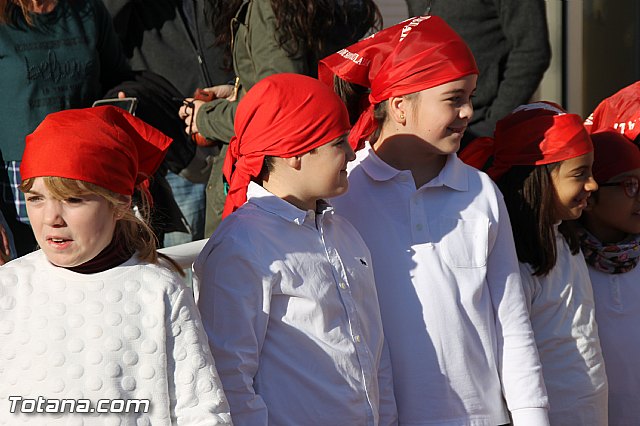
(343, 286)
(356, 338)
(419, 227)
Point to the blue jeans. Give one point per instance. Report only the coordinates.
(191, 199)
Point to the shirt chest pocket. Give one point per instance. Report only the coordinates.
(464, 242)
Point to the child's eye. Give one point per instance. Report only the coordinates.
(74, 200)
(33, 198)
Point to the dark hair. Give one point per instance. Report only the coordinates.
(301, 25)
(530, 198)
(267, 167)
(352, 95)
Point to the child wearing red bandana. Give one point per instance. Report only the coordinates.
(542, 163)
(96, 317)
(610, 242)
(287, 293)
(454, 316)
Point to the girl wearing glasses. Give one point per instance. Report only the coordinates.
(610, 241)
(542, 158)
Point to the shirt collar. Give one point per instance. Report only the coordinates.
(453, 174)
(265, 200)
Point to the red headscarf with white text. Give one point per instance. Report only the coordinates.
(283, 115)
(414, 55)
(619, 112)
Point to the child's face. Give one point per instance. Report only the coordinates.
(441, 114)
(70, 231)
(324, 170)
(574, 184)
(615, 214)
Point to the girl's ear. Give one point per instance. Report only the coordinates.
(397, 109)
(123, 206)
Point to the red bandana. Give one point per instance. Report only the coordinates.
(105, 146)
(283, 115)
(620, 112)
(414, 55)
(613, 154)
(534, 134)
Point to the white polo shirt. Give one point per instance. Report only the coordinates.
(564, 324)
(451, 300)
(617, 298)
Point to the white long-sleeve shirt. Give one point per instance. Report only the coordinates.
(564, 325)
(454, 315)
(617, 298)
(131, 332)
(289, 304)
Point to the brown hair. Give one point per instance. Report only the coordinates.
(301, 25)
(134, 231)
(352, 95)
(530, 197)
(268, 166)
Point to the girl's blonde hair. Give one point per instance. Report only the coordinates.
(132, 228)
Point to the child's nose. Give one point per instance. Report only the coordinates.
(466, 111)
(350, 155)
(53, 213)
(591, 185)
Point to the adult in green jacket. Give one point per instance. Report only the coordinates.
(265, 37)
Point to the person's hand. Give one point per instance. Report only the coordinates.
(5, 248)
(188, 113)
(222, 91)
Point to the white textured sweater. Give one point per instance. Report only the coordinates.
(132, 332)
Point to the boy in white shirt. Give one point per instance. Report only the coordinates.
(287, 297)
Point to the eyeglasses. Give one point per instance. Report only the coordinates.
(630, 185)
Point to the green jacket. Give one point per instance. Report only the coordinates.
(257, 54)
